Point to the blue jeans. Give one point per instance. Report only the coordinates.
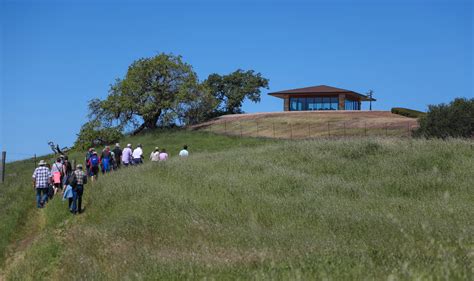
(41, 196)
(73, 201)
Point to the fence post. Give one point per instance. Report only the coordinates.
(365, 128)
(225, 127)
(273, 125)
(344, 129)
(309, 130)
(257, 129)
(291, 131)
(329, 131)
(4, 157)
(240, 129)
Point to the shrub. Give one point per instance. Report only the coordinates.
(93, 134)
(407, 112)
(455, 120)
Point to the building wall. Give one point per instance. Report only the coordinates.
(342, 99)
(286, 103)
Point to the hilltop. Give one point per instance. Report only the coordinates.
(310, 124)
(250, 208)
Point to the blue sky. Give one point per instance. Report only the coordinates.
(57, 55)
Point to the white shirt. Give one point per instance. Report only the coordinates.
(184, 153)
(137, 153)
(155, 156)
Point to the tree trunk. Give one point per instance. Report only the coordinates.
(148, 124)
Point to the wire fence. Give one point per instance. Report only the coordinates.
(288, 130)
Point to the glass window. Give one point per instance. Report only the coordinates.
(301, 103)
(334, 103)
(319, 103)
(326, 103)
(310, 104)
(293, 104)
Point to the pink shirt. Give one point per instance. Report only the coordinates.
(163, 156)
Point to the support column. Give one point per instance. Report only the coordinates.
(342, 99)
(286, 103)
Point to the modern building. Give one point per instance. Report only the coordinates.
(320, 98)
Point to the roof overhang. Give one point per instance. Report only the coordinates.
(283, 95)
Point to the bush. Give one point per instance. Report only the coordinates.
(454, 120)
(93, 134)
(408, 112)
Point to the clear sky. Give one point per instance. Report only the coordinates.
(57, 55)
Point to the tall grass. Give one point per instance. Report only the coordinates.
(321, 209)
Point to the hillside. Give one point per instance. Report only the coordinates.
(262, 209)
(312, 124)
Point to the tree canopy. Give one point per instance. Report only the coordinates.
(152, 89)
(231, 90)
(164, 89)
(453, 120)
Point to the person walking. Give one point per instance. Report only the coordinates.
(57, 172)
(70, 195)
(94, 163)
(41, 181)
(138, 155)
(127, 155)
(106, 159)
(88, 156)
(67, 171)
(78, 187)
(155, 155)
(117, 156)
(184, 152)
(163, 155)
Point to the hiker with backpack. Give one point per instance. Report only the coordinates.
(106, 159)
(57, 172)
(67, 170)
(94, 163)
(78, 180)
(88, 156)
(41, 181)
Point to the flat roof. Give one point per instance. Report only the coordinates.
(320, 89)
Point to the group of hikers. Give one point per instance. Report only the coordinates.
(49, 179)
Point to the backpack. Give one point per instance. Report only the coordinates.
(94, 161)
(72, 180)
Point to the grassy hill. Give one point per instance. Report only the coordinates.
(312, 124)
(260, 209)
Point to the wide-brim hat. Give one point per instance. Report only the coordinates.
(42, 163)
(79, 166)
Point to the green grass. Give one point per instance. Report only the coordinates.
(245, 208)
(408, 112)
